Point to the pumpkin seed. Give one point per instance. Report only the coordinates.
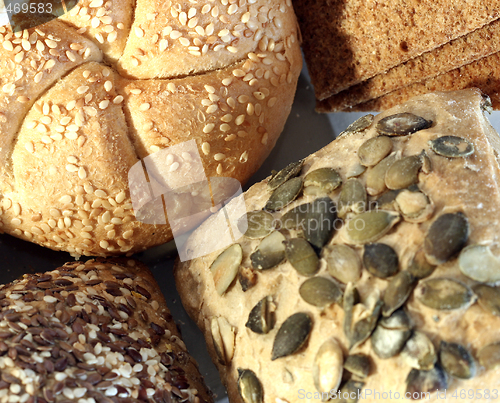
(488, 298)
(486, 104)
(249, 387)
(223, 339)
(403, 173)
(457, 360)
(327, 367)
(343, 263)
(358, 365)
(374, 150)
(397, 292)
(370, 226)
(387, 200)
(419, 381)
(326, 179)
(284, 194)
(290, 171)
(225, 267)
(419, 267)
(364, 122)
(261, 318)
(260, 224)
(444, 294)
(446, 237)
(320, 292)
(351, 298)
(390, 335)
(489, 356)
(292, 335)
(351, 390)
(479, 263)
(270, 252)
(452, 146)
(415, 207)
(247, 278)
(355, 170)
(380, 260)
(302, 256)
(402, 124)
(419, 352)
(363, 328)
(352, 198)
(375, 176)
(314, 220)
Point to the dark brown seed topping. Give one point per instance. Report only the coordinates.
(446, 237)
(292, 335)
(402, 124)
(380, 260)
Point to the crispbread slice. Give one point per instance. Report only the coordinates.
(483, 74)
(454, 54)
(347, 42)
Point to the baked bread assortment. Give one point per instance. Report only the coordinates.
(376, 49)
(84, 97)
(98, 331)
(369, 267)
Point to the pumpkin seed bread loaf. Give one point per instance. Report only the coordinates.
(93, 332)
(85, 97)
(369, 268)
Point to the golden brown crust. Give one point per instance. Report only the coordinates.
(73, 129)
(468, 185)
(107, 330)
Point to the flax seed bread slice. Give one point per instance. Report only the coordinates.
(98, 331)
(347, 42)
(376, 287)
(483, 74)
(454, 54)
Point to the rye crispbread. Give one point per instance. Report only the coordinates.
(483, 74)
(347, 42)
(454, 54)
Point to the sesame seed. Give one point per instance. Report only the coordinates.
(7, 45)
(225, 127)
(65, 199)
(16, 221)
(212, 108)
(116, 221)
(100, 193)
(50, 300)
(238, 73)
(138, 32)
(184, 41)
(175, 35)
(227, 118)
(219, 169)
(103, 104)
(145, 106)
(205, 147)
(30, 147)
(239, 120)
(245, 17)
(38, 77)
(163, 45)
(112, 36)
(174, 166)
(82, 174)
(264, 138)
(51, 43)
(244, 157)
(70, 135)
(208, 128)
(219, 157)
(104, 244)
(242, 99)
(82, 89)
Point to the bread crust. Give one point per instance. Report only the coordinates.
(108, 334)
(468, 185)
(83, 105)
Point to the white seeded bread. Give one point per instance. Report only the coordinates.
(85, 96)
(98, 331)
(468, 185)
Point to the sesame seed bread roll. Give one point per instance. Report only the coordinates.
(86, 96)
(98, 331)
(371, 267)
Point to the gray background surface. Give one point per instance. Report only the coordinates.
(305, 132)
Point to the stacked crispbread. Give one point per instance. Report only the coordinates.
(371, 55)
